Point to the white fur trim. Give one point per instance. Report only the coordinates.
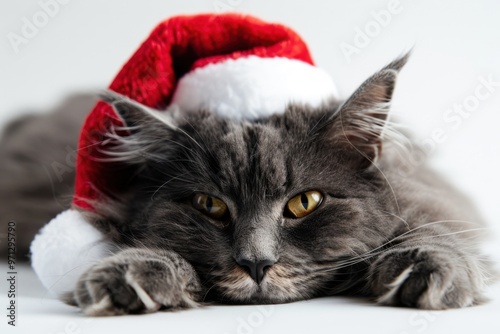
(64, 249)
(253, 87)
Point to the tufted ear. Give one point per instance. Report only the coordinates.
(133, 113)
(143, 133)
(360, 121)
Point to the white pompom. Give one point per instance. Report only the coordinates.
(64, 249)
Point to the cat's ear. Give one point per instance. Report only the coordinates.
(134, 114)
(360, 121)
(140, 138)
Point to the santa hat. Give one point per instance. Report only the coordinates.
(236, 66)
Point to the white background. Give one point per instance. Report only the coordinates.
(455, 43)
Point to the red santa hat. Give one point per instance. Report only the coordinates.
(236, 66)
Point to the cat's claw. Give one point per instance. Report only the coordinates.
(124, 284)
(426, 279)
(149, 303)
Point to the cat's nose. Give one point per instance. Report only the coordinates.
(256, 269)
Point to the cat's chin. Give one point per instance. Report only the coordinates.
(239, 287)
(263, 294)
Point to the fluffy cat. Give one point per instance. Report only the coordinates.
(312, 202)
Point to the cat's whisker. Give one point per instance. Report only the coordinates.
(164, 184)
(206, 293)
(370, 254)
(399, 218)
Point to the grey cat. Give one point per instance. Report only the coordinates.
(313, 202)
(308, 203)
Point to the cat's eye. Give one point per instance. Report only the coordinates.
(211, 206)
(303, 204)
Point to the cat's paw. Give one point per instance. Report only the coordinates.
(134, 282)
(427, 279)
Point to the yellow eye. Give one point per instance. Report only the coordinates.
(210, 206)
(303, 204)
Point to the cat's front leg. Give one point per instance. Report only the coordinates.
(427, 277)
(137, 281)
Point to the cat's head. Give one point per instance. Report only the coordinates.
(272, 210)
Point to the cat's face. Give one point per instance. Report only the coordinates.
(267, 211)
